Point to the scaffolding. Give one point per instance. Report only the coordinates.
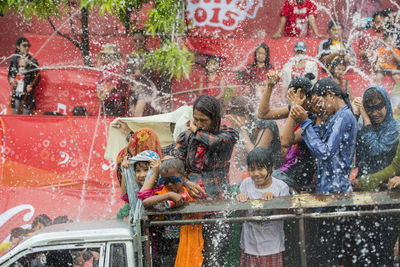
(295, 207)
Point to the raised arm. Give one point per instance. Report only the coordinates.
(264, 111)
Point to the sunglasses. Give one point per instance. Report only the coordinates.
(171, 179)
(26, 45)
(376, 107)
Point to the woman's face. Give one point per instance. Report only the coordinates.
(201, 121)
(376, 110)
(141, 170)
(23, 48)
(336, 32)
(261, 55)
(339, 71)
(212, 66)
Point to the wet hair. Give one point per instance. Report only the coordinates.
(324, 85)
(370, 96)
(240, 105)
(303, 83)
(79, 111)
(173, 163)
(210, 107)
(43, 219)
(62, 219)
(267, 54)
(336, 62)
(19, 41)
(379, 14)
(260, 157)
(134, 165)
(17, 232)
(335, 22)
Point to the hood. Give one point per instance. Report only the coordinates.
(389, 112)
(147, 155)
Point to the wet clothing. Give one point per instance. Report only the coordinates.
(328, 46)
(262, 238)
(24, 76)
(256, 130)
(213, 87)
(377, 143)
(372, 181)
(109, 80)
(333, 151)
(299, 168)
(214, 172)
(289, 71)
(254, 75)
(370, 41)
(297, 17)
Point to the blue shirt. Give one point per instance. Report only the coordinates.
(333, 148)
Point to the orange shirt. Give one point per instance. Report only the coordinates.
(385, 58)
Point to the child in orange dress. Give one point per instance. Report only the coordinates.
(179, 244)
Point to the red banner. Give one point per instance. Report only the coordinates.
(55, 165)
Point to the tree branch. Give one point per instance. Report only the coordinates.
(74, 42)
(71, 23)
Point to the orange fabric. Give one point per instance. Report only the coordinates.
(190, 240)
(385, 58)
(144, 139)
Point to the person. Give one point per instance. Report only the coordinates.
(261, 243)
(392, 25)
(212, 81)
(206, 148)
(388, 60)
(176, 247)
(370, 40)
(333, 146)
(141, 140)
(295, 18)
(298, 66)
(80, 111)
(139, 81)
(376, 148)
(337, 68)
(41, 221)
(298, 167)
(16, 236)
(379, 136)
(62, 219)
(363, 12)
(108, 85)
(335, 46)
(23, 76)
(253, 132)
(255, 73)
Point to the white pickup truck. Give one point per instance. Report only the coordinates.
(96, 244)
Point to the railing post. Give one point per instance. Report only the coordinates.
(302, 238)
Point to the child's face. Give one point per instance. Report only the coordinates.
(339, 71)
(171, 182)
(212, 66)
(141, 170)
(259, 175)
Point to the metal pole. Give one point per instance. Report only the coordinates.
(146, 240)
(275, 217)
(139, 244)
(302, 238)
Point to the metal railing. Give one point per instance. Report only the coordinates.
(296, 207)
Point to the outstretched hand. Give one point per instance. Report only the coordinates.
(195, 190)
(242, 197)
(394, 182)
